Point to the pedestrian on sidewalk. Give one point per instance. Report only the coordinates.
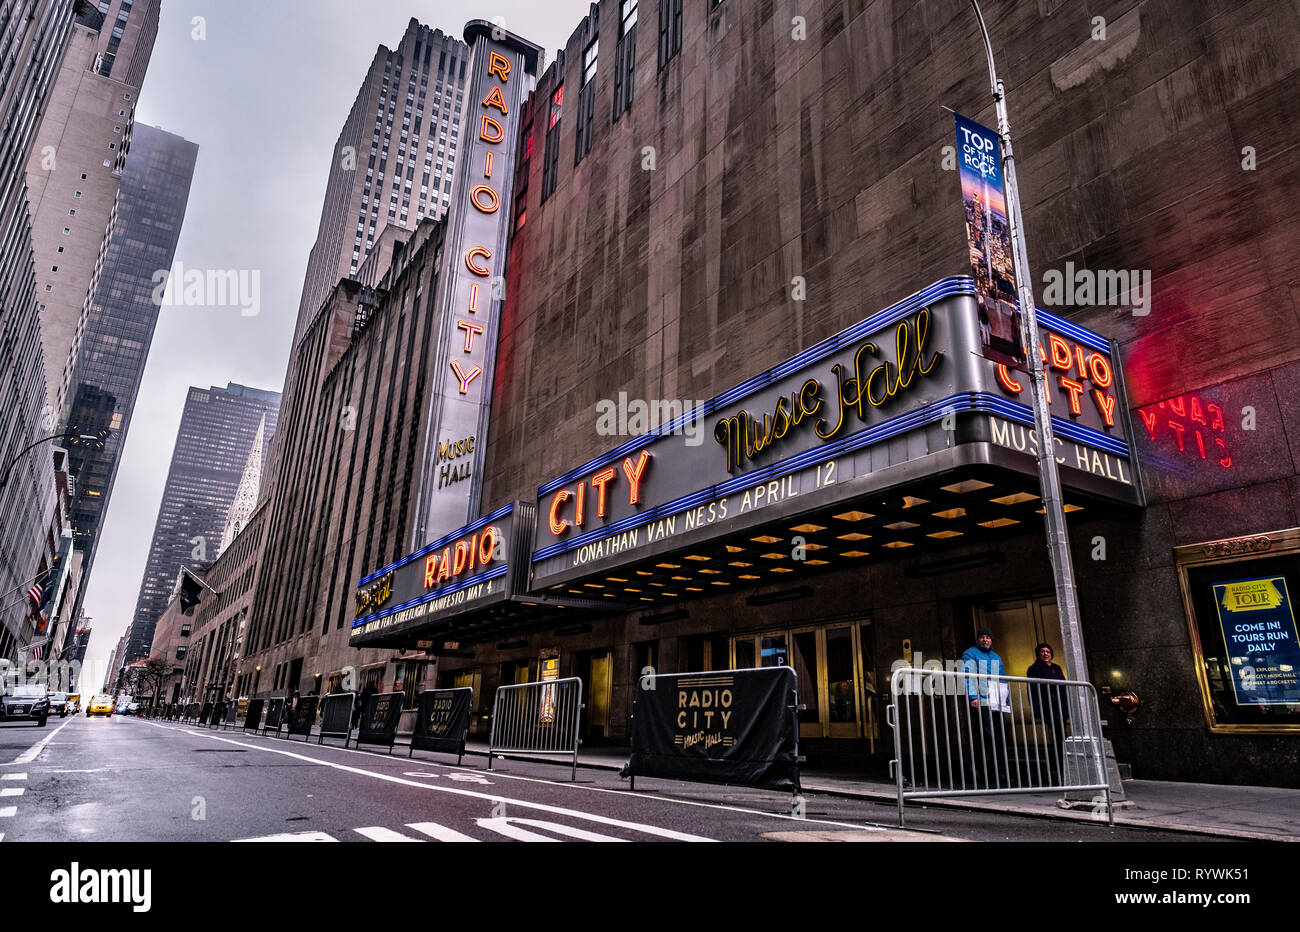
(990, 701)
(1050, 706)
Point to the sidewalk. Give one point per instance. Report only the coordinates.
(1248, 812)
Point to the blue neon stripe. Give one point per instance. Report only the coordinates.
(978, 402)
(440, 542)
(956, 285)
(430, 596)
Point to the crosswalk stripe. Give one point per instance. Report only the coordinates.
(292, 836)
(379, 833)
(509, 826)
(8, 812)
(439, 832)
(14, 776)
(13, 791)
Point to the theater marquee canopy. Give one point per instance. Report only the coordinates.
(896, 433)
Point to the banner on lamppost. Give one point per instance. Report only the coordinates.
(988, 233)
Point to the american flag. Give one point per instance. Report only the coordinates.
(36, 591)
(38, 653)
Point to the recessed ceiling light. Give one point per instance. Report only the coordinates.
(630, 589)
(673, 594)
(782, 569)
(1015, 498)
(765, 539)
(951, 513)
(594, 585)
(658, 584)
(710, 572)
(943, 534)
(815, 562)
(773, 556)
(898, 544)
(999, 522)
(966, 485)
(577, 592)
(748, 576)
(854, 553)
(669, 566)
(853, 516)
(614, 579)
(682, 578)
(644, 599)
(902, 525)
(695, 556)
(731, 549)
(910, 501)
(693, 589)
(855, 536)
(808, 528)
(717, 582)
(1067, 509)
(739, 563)
(814, 546)
(643, 573)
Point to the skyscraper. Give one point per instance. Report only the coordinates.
(33, 34)
(394, 158)
(74, 172)
(120, 326)
(218, 428)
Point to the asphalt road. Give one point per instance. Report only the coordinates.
(118, 779)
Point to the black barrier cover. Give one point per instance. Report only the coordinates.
(274, 711)
(231, 716)
(336, 714)
(253, 719)
(379, 719)
(728, 726)
(205, 712)
(219, 710)
(442, 720)
(304, 716)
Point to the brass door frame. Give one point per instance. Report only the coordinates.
(1212, 553)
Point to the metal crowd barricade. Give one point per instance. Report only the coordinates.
(974, 734)
(537, 718)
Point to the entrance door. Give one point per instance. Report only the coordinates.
(828, 661)
(1018, 625)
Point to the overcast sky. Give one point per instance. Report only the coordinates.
(264, 94)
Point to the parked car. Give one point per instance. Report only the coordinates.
(100, 705)
(28, 702)
(59, 703)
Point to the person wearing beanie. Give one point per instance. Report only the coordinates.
(990, 702)
(1050, 707)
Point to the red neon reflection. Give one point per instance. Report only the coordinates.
(1195, 427)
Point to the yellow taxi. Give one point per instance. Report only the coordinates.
(100, 705)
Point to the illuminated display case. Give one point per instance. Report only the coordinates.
(1238, 595)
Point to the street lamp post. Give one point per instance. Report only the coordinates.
(1058, 542)
(96, 439)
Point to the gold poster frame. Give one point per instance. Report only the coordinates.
(1217, 552)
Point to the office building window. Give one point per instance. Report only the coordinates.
(586, 103)
(670, 30)
(625, 58)
(551, 155)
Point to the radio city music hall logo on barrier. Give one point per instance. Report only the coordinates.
(704, 712)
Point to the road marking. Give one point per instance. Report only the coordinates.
(13, 791)
(379, 833)
(292, 836)
(508, 826)
(14, 776)
(30, 754)
(8, 812)
(440, 832)
(522, 803)
(855, 826)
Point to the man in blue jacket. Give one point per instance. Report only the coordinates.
(990, 702)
